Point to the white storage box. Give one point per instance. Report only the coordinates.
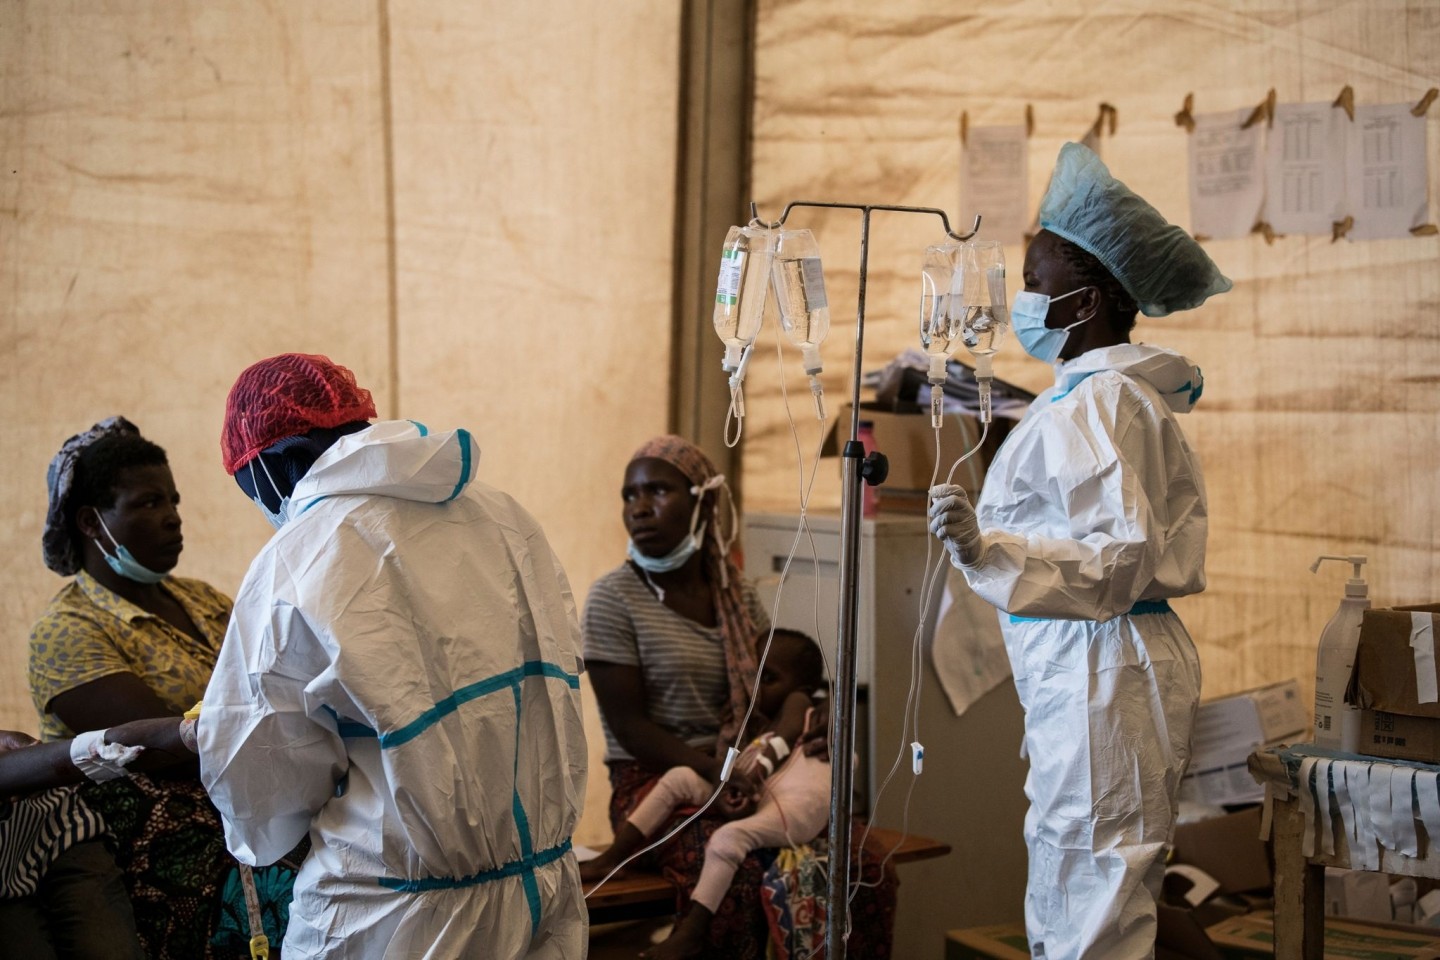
(1229, 729)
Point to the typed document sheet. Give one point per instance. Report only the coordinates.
(1227, 177)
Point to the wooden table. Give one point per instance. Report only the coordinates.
(644, 895)
(1360, 838)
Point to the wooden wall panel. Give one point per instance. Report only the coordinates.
(534, 212)
(186, 187)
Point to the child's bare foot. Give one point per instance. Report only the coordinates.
(627, 841)
(688, 939)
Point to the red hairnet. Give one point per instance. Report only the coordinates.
(285, 396)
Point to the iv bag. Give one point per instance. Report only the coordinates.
(740, 289)
(941, 313)
(799, 285)
(983, 281)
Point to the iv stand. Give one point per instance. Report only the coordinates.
(855, 468)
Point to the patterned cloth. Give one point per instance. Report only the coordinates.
(171, 848)
(740, 930)
(737, 627)
(794, 892)
(89, 632)
(56, 543)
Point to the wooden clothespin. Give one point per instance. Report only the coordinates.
(1424, 230)
(1202, 238)
(1266, 231)
(1029, 120)
(1264, 111)
(1423, 107)
(1346, 100)
(964, 128)
(1185, 118)
(1339, 228)
(1105, 121)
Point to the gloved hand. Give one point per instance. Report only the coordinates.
(953, 520)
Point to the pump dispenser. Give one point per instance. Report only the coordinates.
(1337, 723)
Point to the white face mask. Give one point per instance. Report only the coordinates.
(1027, 316)
(277, 519)
(673, 560)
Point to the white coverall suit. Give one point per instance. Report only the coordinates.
(1094, 513)
(400, 680)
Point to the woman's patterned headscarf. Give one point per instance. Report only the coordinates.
(737, 629)
(56, 542)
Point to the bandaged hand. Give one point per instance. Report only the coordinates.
(953, 520)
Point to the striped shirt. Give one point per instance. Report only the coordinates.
(682, 663)
(34, 830)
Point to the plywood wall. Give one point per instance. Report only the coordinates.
(458, 200)
(1320, 426)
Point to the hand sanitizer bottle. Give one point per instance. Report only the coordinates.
(1337, 723)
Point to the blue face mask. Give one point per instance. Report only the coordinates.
(123, 562)
(277, 518)
(1027, 316)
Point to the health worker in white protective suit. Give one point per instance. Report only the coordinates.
(1092, 517)
(400, 680)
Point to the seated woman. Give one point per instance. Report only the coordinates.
(126, 641)
(668, 649)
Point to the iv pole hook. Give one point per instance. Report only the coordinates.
(865, 208)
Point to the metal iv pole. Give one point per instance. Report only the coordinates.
(856, 468)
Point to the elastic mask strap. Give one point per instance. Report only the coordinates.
(1071, 294)
(273, 486)
(716, 482)
(659, 590)
(108, 534)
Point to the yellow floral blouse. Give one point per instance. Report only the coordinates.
(88, 632)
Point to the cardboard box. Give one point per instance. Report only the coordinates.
(908, 442)
(1395, 721)
(1395, 736)
(1358, 895)
(1253, 935)
(1228, 729)
(1005, 941)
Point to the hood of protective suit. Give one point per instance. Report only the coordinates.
(389, 460)
(1175, 378)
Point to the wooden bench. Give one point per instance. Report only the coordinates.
(641, 895)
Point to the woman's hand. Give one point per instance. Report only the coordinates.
(815, 741)
(15, 740)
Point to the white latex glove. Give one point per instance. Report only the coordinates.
(953, 520)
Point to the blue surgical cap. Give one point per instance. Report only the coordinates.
(1158, 264)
